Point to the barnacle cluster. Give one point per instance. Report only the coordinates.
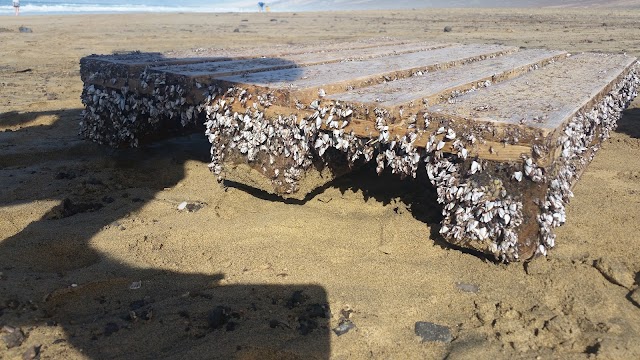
(284, 147)
(580, 141)
(122, 117)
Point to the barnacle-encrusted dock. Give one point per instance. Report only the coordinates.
(503, 132)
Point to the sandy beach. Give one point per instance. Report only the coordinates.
(97, 262)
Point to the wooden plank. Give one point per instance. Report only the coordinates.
(114, 70)
(276, 62)
(131, 64)
(335, 77)
(435, 87)
(543, 99)
(302, 83)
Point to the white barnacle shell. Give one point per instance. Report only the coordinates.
(517, 175)
(475, 167)
(426, 120)
(476, 195)
(507, 218)
(329, 120)
(463, 153)
(450, 134)
(322, 93)
(542, 250)
(489, 205)
(471, 138)
(528, 169)
(440, 145)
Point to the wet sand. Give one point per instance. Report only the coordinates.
(252, 277)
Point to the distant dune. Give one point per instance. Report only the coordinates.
(323, 5)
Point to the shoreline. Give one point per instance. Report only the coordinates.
(169, 11)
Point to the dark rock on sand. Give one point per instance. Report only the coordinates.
(317, 311)
(218, 317)
(344, 327)
(433, 332)
(69, 208)
(13, 337)
(296, 299)
(306, 325)
(32, 353)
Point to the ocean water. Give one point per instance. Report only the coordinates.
(49, 7)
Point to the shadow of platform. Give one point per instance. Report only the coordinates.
(629, 123)
(177, 316)
(50, 275)
(417, 195)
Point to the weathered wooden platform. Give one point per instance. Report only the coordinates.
(503, 132)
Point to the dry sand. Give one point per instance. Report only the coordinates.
(365, 244)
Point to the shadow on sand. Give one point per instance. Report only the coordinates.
(50, 275)
(44, 273)
(629, 123)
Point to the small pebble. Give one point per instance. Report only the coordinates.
(274, 323)
(448, 29)
(344, 327)
(430, 332)
(32, 353)
(190, 207)
(218, 317)
(13, 337)
(135, 285)
(468, 288)
(306, 325)
(317, 310)
(296, 299)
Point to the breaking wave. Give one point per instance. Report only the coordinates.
(70, 8)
